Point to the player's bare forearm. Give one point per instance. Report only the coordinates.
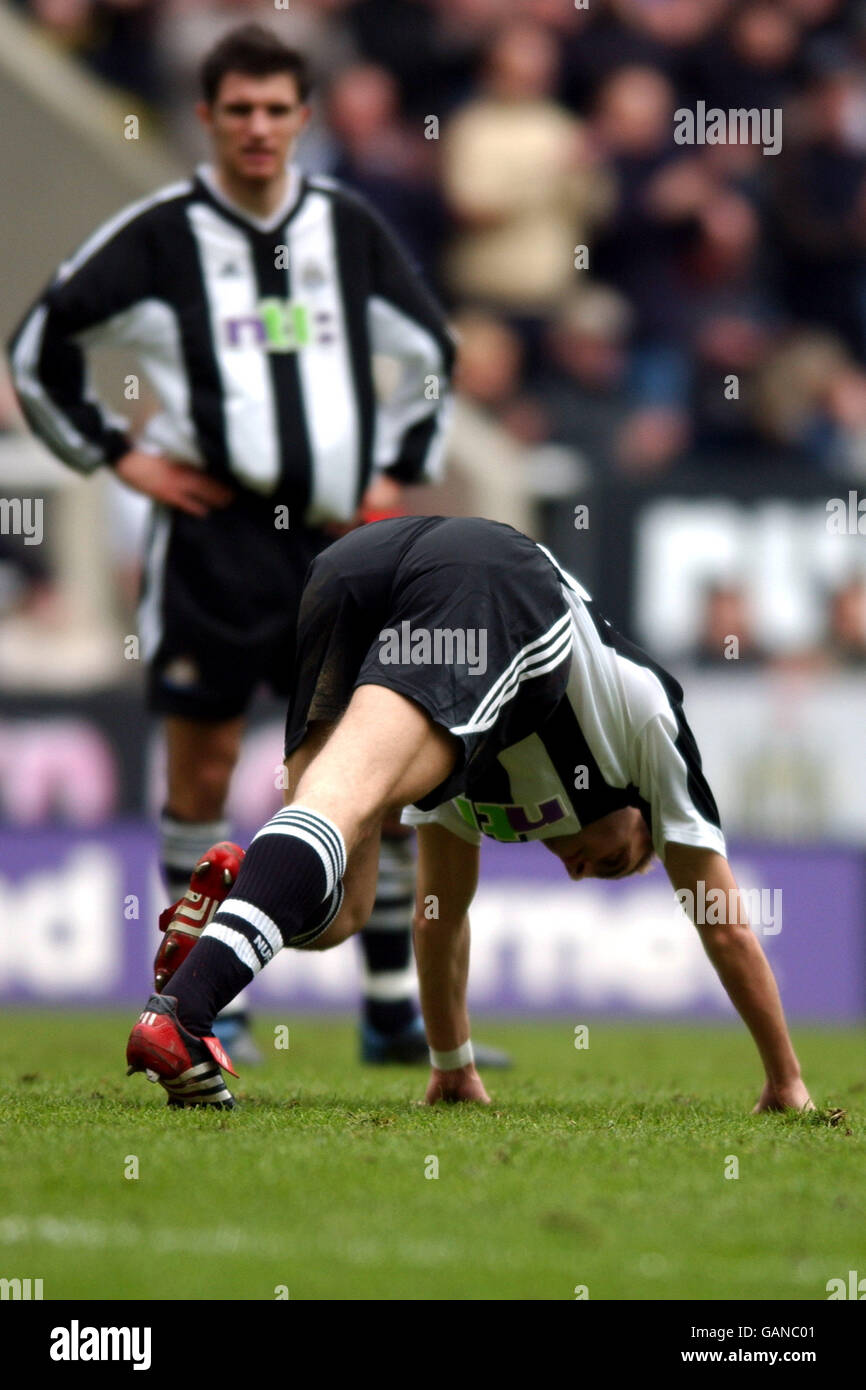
(442, 955)
(744, 971)
(447, 876)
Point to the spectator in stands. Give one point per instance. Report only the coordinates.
(726, 634)
(810, 398)
(388, 159)
(632, 33)
(581, 394)
(751, 62)
(115, 38)
(660, 191)
(430, 54)
(734, 319)
(521, 180)
(820, 208)
(488, 466)
(845, 642)
(843, 447)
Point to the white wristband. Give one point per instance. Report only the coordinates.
(462, 1056)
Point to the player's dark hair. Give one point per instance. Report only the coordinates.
(255, 51)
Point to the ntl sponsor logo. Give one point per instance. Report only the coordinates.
(443, 646)
(21, 1289)
(738, 126)
(761, 907)
(856, 1287)
(510, 823)
(76, 1343)
(280, 325)
(22, 516)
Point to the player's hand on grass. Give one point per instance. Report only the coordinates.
(174, 484)
(462, 1084)
(789, 1095)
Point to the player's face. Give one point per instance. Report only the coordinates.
(613, 847)
(253, 124)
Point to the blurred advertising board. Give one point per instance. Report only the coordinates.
(79, 910)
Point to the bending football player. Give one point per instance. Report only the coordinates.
(450, 666)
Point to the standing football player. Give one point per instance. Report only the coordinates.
(254, 298)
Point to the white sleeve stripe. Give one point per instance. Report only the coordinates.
(54, 424)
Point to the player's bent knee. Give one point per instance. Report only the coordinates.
(334, 935)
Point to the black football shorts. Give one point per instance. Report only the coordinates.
(464, 616)
(219, 607)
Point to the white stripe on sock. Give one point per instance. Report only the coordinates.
(312, 820)
(390, 918)
(387, 986)
(260, 920)
(315, 843)
(217, 931)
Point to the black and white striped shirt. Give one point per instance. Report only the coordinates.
(258, 339)
(617, 738)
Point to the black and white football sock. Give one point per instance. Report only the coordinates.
(182, 843)
(288, 890)
(386, 942)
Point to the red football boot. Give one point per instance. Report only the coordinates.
(184, 922)
(187, 1067)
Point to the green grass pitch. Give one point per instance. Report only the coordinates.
(602, 1167)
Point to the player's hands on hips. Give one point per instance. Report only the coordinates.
(174, 484)
(383, 494)
(462, 1084)
(788, 1095)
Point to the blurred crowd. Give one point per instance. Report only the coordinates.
(650, 305)
(726, 613)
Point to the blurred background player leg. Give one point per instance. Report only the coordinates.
(391, 1026)
(392, 1029)
(201, 757)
